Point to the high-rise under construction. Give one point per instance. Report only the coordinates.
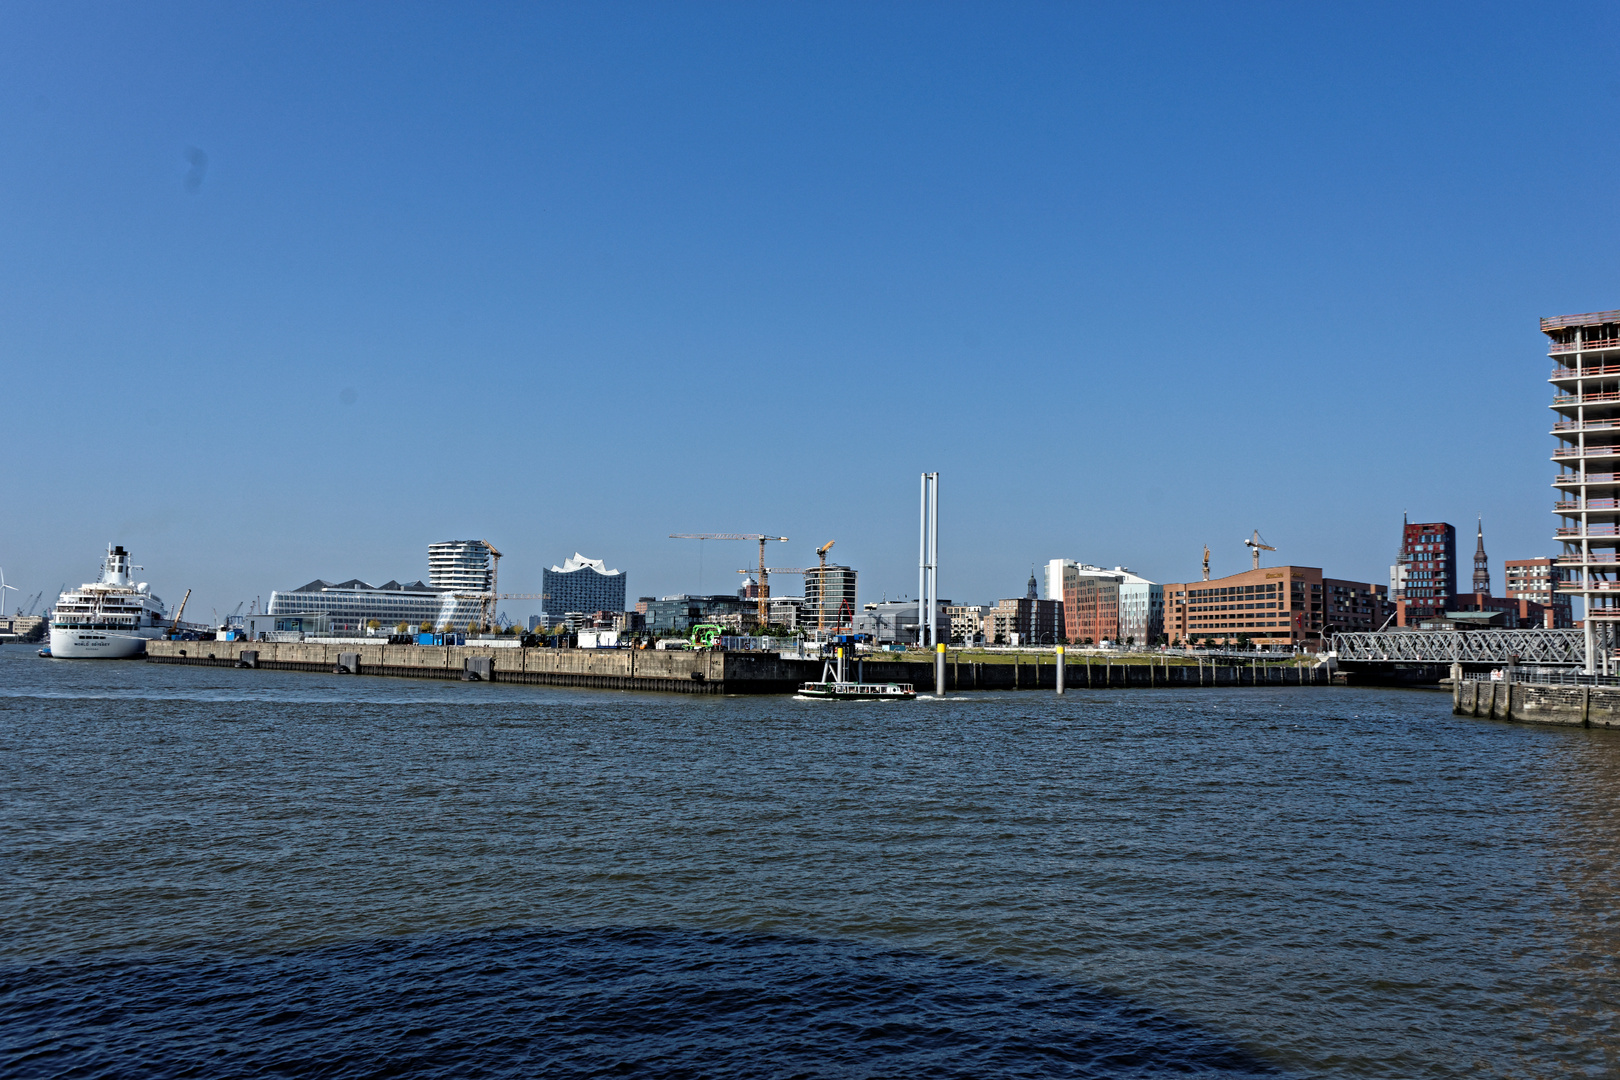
(1585, 350)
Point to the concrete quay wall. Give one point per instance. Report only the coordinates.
(1078, 675)
(1538, 703)
(687, 672)
(668, 671)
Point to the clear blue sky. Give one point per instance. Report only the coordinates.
(291, 291)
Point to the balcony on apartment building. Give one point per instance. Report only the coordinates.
(1587, 452)
(1592, 479)
(1591, 504)
(1561, 373)
(1605, 424)
(1608, 397)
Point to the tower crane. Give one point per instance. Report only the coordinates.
(1256, 545)
(1206, 562)
(486, 610)
(764, 574)
(821, 586)
(774, 570)
(487, 600)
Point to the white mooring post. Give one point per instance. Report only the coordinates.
(939, 669)
(1060, 669)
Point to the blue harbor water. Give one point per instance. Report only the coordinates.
(211, 872)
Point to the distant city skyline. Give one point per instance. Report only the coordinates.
(294, 293)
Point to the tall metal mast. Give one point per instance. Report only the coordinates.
(928, 562)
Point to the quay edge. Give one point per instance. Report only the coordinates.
(1537, 703)
(695, 672)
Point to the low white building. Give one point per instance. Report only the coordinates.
(894, 622)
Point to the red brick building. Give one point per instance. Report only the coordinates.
(1538, 580)
(1425, 572)
(1274, 606)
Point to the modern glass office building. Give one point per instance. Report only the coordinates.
(681, 612)
(350, 605)
(583, 585)
(1106, 605)
(830, 602)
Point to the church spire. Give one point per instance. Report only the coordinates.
(1482, 568)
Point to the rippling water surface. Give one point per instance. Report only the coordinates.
(220, 872)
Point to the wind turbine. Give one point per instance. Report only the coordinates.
(3, 588)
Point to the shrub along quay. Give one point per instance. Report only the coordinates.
(707, 671)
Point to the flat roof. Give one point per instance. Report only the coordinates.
(1591, 318)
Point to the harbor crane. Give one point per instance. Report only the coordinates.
(179, 612)
(764, 573)
(1256, 545)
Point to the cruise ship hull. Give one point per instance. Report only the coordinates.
(70, 644)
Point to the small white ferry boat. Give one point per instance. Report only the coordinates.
(110, 619)
(858, 691)
(833, 686)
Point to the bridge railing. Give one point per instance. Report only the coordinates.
(1561, 648)
(1552, 678)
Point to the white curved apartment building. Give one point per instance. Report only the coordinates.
(460, 566)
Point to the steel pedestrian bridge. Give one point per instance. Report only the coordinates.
(1560, 648)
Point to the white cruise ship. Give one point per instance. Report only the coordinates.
(109, 619)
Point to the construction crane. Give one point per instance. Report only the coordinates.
(487, 601)
(1256, 545)
(764, 574)
(821, 586)
(1206, 562)
(179, 612)
(486, 610)
(774, 570)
